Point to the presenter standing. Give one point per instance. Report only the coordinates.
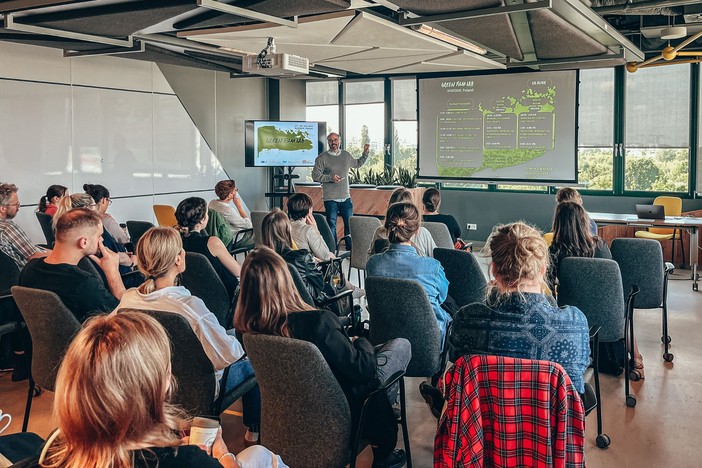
(331, 169)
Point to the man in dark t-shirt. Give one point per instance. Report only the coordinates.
(78, 234)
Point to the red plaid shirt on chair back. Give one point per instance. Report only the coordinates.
(507, 412)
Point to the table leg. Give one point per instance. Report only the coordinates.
(694, 256)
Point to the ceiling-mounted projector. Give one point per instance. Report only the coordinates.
(276, 65)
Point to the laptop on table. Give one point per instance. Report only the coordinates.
(650, 211)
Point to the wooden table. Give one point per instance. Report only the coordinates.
(688, 223)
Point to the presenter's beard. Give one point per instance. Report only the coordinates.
(334, 147)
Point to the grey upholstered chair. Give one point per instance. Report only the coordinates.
(10, 317)
(362, 230)
(193, 370)
(400, 308)
(201, 279)
(594, 285)
(440, 233)
(305, 417)
(52, 327)
(467, 283)
(46, 227)
(137, 229)
(641, 263)
(257, 223)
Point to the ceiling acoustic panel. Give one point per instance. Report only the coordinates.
(493, 32)
(456, 61)
(376, 60)
(555, 38)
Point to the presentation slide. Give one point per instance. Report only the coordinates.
(517, 127)
(282, 143)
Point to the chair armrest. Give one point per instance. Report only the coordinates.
(6, 297)
(240, 234)
(346, 240)
(343, 256)
(392, 380)
(338, 297)
(594, 331)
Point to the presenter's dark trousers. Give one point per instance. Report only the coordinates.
(345, 209)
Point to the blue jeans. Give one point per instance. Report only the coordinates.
(251, 401)
(345, 209)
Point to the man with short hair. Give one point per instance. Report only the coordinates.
(331, 168)
(13, 241)
(78, 235)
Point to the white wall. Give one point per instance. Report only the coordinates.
(118, 122)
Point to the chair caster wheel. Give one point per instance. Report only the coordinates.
(630, 401)
(695, 287)
(665, 339)
(634, 375)
(603, 441)
(668, 357)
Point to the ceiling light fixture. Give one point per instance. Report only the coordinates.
(448, 38)
(674, 32)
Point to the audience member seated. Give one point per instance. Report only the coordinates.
(192, 218)
(523, 322)
(83, 200)
(270, 304)
(13, 241)
(304, 227)
(78, 235)
(432, 201)
(568, 194)
(421, 240)
(49, 203)
(112, 408)
(401, 260)
(102, 198)
(277, 235)
(161, 259)
(572, 238)
(236, 216)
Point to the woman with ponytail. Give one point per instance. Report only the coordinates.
(161, 260)
(49, 203)
(431, 201)
(401, 259)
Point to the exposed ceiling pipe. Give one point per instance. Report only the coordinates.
(640, 7)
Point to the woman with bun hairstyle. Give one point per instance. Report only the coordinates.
(401, 259)
(111, 404)
(102, 197)
(49, 203)
(431, 201)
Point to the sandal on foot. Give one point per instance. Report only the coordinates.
(638, 365)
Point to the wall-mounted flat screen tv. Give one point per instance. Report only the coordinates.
(283, 143)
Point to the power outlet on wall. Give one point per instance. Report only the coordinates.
(472, 227)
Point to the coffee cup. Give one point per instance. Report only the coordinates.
(203, 432)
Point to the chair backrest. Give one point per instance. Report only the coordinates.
(325, 231)
(192, 369)
(305, 417)
(9, 273)
(257, 224)
(52, 327)
(46, 227)
(641, 263)
(501, 394)
(400, 308)
(673, 207)
(201, 279)
(137, 229)
(165, 215)
(300, 285)
(86, 265)
(362, 230)
(467, 283)
(594, 285)
(440, 233)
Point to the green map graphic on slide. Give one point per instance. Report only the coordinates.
(272, 138)
(501, 158)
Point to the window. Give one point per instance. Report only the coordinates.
(596, 129)
(322, 106)
(404, 123)
(657, 130)
(364, 122)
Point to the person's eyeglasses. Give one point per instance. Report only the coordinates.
(109, 201)
(330, 140)
(18, 204)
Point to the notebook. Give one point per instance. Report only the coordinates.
(650, 211)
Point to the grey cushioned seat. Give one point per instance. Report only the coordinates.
(137, 229)
(440, 233)
(201, 279)
(257, 223)
(467, 283)
(362, 230)
(46, 227)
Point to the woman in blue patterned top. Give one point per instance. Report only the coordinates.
(520, 321)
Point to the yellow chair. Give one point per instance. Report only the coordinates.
(548, 237)
(165, 215)
(672, 207)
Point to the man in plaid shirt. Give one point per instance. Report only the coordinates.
(13, 241)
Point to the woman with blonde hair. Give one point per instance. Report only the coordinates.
(523, 323)
(111, 403)
(270, 304)
(421, 240)
(161, 259)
